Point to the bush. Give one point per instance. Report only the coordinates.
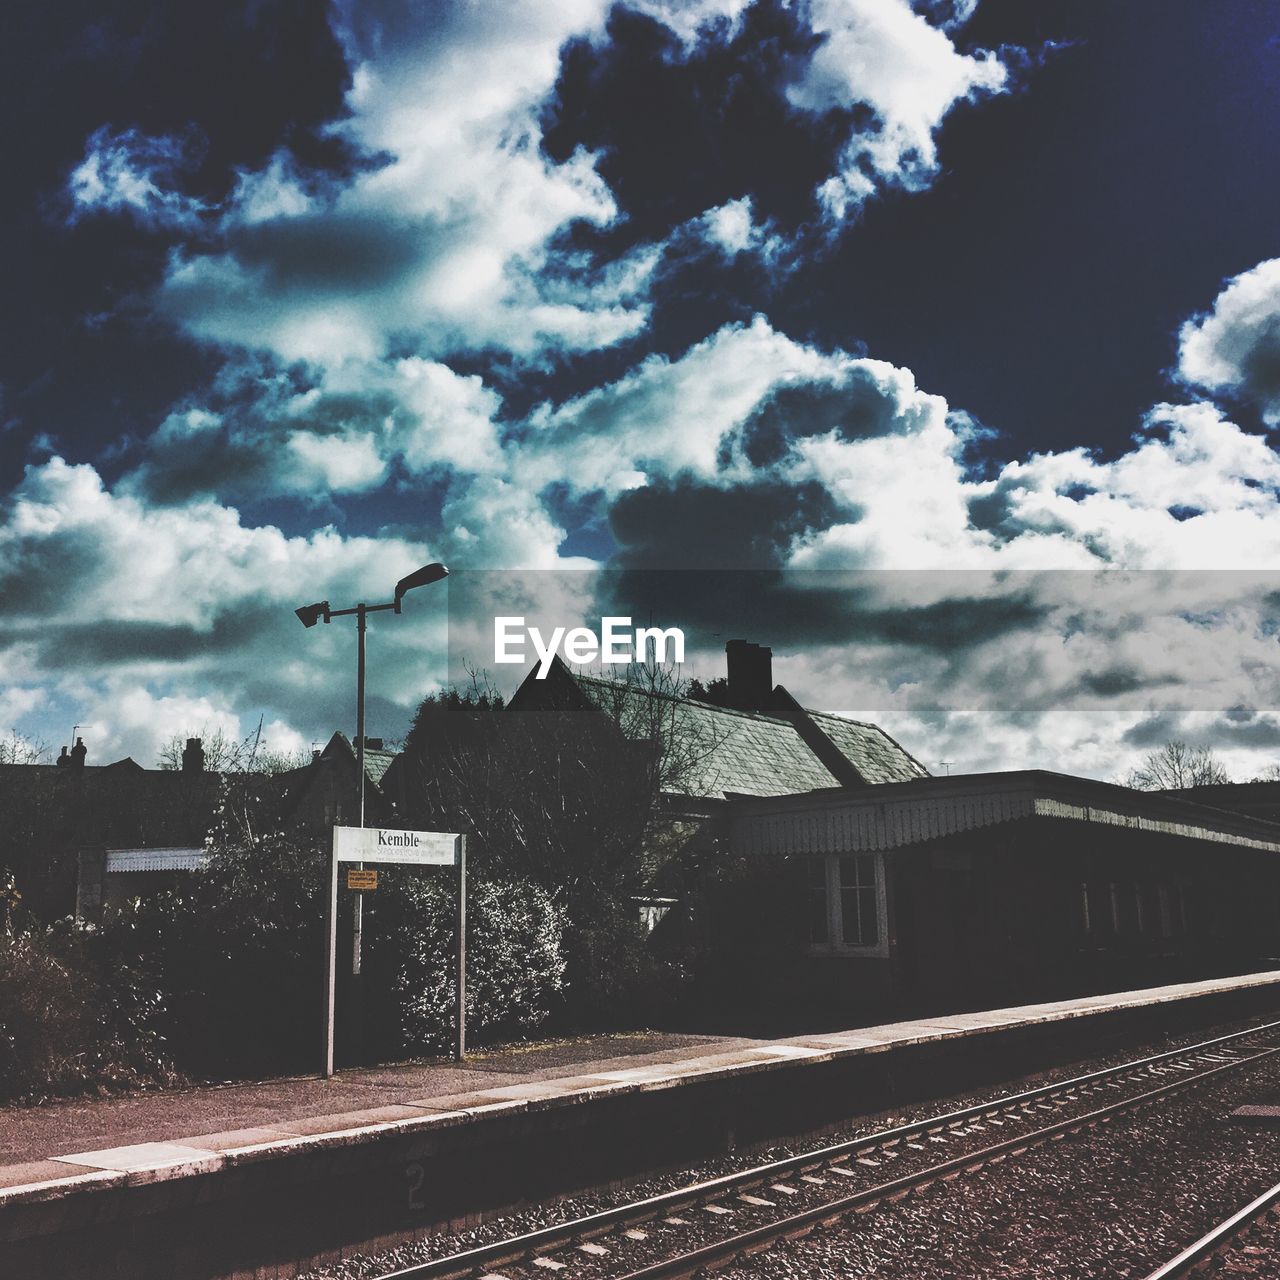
(515, 967)
(615, 978)
(75, 1015)
(241, 949)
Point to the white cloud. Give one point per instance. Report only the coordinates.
(153, 620)
(447, 244)
(452, 240)
(732, 228)
(665, 418)
(1235, 348)
(127, 171)
(883, 54)
(689, 18)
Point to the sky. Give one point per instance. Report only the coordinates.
(976, 299)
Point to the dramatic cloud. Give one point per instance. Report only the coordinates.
(445, 241)
(113, 606)
(538, 297)
(342, 434)
(1235, 348)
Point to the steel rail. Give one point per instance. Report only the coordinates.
(545, 1240)
(721, 1253)
(1222, 1239)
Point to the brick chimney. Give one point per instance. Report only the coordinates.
(78, 754)
(750, 674)
(193, 756)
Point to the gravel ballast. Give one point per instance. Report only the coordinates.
(887, 1238)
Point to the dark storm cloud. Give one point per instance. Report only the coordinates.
(1258, 731)
(335, 253)
(731, 545)
(1116, 682)
(110, 643)
(37, 575)
(954, 625)
(857, 409)
(704, 527)
(214, 461)
(1156, 729)
(239, 447)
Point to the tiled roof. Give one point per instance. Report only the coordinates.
(739, 751)
(875, 755)
(376, 760)
(376, 763)
(753, 755)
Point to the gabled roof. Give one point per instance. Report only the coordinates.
(727, 750)
(376, 760)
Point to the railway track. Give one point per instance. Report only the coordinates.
(1220, 1250)
(707, 1225)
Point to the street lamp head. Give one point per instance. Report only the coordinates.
(310, 614)
(428, 574)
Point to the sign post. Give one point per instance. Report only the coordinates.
(399, 848)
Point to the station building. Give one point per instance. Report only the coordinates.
(987, 889)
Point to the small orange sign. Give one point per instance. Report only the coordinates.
(361, 879)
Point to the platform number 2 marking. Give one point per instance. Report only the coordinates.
(414, 1175)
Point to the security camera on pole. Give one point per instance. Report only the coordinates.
(309, 615)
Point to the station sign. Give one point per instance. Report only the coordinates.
(398, 848)
(381, 844)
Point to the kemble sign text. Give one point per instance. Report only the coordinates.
(616, 644)
(377, 844)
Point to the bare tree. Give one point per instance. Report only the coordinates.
(572, 796)
(224, 754)
(15, 749)
(1176, 765)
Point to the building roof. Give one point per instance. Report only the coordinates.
(871, 751)
(851, 819)
(113, 804)
(731, 751)
(727, 750)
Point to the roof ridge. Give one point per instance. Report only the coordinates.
(628, 687)
(835, 715)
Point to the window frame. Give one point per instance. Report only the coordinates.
(835, 944)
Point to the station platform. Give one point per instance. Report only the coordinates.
(267, 1178)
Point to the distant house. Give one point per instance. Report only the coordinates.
(325, 792)
(66, 829)
(81, 836)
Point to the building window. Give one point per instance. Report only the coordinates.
(845, 903)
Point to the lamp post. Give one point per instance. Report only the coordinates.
(309, 615)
